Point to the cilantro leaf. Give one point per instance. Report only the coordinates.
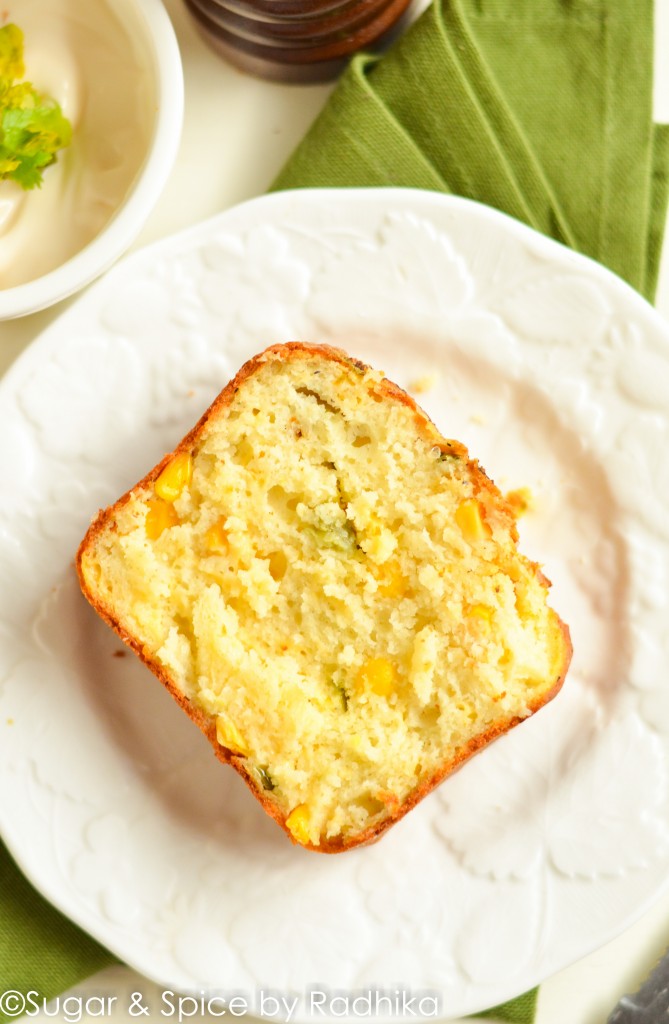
(32, 126)
(11, 53)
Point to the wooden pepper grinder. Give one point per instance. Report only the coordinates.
(295, 40)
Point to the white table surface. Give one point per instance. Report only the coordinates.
(237, 133)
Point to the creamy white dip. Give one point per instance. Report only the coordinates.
(78, 52)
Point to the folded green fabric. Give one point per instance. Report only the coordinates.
(40, 950)
(541, 108)
(521, 1010)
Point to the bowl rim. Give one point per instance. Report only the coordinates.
(119, 233)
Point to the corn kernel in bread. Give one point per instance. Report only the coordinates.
(331, 590)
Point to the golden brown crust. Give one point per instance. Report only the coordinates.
(206, 723)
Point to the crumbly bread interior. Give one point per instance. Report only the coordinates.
(337, 587)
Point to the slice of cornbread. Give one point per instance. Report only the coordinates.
(331, 590)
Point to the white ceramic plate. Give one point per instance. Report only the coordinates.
(543, 847)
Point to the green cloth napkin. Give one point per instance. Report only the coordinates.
(40, 950)
(521, 1010)
(541, 108)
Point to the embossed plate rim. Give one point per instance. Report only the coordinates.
(286, 209)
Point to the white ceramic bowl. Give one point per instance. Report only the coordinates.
(153, 34)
